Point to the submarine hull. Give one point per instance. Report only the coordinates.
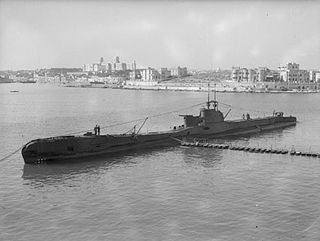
(76, 147)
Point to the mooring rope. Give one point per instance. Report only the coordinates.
(11, 154)
(244, 109)
(140, 119)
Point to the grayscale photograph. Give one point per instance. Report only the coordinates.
(177, 120)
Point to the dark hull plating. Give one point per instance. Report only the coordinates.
(74, 147)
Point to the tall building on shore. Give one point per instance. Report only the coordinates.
(292, 73)
(260, 74)
(149, 74)
(118, 66)
(252, 76)
(241, 74)
(317, 77)
(179, 71)
(313, 74)
(263, 72)
(95, 67)
(133, 73)
(164, 73)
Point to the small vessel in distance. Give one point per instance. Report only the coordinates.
(210, 122)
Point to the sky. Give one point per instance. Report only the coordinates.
(196, 34)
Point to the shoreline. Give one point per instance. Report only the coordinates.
(179, 88)
(192, 89)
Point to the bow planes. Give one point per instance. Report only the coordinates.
(209, 123)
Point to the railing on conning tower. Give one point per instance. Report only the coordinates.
(214, 101)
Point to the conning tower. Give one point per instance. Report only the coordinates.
(207, 116)
(211, 115)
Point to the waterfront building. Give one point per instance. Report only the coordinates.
(123, 66)
(149, 74)
(182, 71)
(174, 72)
(242, 74)
(134, 65)
(299, 79)
(131, 66)
(179, 71)
(118, 66)
(252, 76)
(132, 75)
(164, 73)
(245, 74)
(143, 77)
(87, 68)
(95, 67)
(293, 74)
(312, 75)
(102, 67)
(260, 74)
(235, 74)
(109, 68)
(317, 77)
(263, 72)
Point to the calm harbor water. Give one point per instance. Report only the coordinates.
(171, 193)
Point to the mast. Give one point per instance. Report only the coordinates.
(208, 102)
(215, 102)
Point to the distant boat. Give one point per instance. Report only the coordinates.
(97, 82)
(14, 91)
(28, 82)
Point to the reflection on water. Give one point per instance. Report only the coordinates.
(205, 157)
(58, 171)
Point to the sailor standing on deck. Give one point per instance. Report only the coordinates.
(98, 127)
(95, 129)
